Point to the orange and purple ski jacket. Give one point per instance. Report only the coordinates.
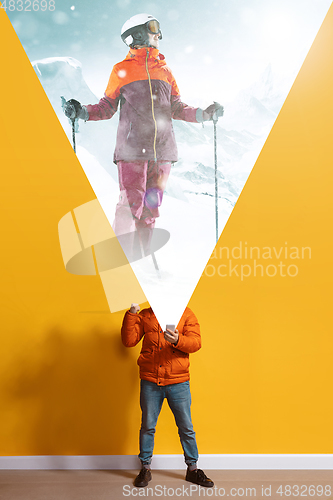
(160, 361)
(149, 98)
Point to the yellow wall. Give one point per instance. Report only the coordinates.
(261, 383)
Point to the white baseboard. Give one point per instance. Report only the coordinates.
(128, 462)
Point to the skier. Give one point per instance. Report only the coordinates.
(164, 374)
(149, 98)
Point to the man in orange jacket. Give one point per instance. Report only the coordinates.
(164, 373)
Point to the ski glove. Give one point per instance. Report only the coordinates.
(73, 109)
(214, 109)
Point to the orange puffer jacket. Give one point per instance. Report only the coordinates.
(160, 361)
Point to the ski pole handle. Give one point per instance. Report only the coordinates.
(219, 111)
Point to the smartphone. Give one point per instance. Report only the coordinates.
(171, 327)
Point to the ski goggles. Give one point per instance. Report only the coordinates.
(153, 27)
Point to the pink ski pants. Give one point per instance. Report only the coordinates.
(141, 184)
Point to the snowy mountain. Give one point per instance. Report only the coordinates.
(270, 90)
(62, 76)
(188, 209)
(256, 107)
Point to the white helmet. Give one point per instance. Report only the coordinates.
(135, 30)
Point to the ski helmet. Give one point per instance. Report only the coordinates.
(135, 30)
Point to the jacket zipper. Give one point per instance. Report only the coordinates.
(152, 105)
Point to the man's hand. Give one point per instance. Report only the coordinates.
(135, 308)
(171, 336)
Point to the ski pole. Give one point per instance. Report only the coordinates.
(219, 110)
(215, 120)
(63, 102)
(73, 134)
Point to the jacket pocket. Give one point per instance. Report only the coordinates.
(146, 360)
(180, 362)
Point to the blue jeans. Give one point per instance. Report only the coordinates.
(179, 400)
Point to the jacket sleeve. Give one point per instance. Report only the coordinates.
(180, 110)
(108, 105)
(189, 338)
(132, 329)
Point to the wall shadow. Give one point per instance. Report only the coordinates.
(77, 393)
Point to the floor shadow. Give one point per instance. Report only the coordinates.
(121, 473)
(172, 474)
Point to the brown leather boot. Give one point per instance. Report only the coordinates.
(198, 476)
(143, 478)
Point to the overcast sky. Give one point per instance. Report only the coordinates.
(214, 48)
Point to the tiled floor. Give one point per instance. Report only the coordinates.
(115, 485)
